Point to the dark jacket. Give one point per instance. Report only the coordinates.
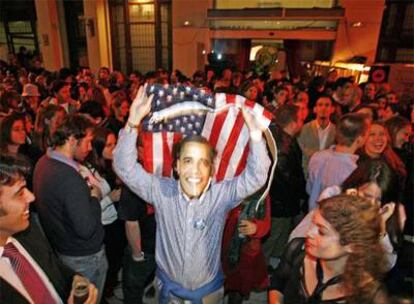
(288, 186)
(70, 216)
(39, 249)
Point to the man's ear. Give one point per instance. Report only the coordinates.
(177, 166)
(72, 141)
(212, 170)
(360, 141)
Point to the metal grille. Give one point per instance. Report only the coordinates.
(140, 40)
(3, 39)
(408, 24)
(143, 59)
(142, 35)
(142, 29)
(165, 36)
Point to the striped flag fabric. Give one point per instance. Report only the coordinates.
(182, 111)
(229, 135)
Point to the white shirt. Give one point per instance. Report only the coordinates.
(323, 135)
(7, 273)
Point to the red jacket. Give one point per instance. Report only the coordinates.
(251, 271)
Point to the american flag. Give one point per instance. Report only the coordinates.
(225, 130)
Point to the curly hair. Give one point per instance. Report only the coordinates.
(357, 222)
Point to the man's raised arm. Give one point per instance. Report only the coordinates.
(125, 154)
(255, 174)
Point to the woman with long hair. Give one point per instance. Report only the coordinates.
(48, 119)
(401, 132)
(243, 261)
(103, 144)
(378, 146)
(119, 112)
(13, 134)
(374, 180)
(14, 142)
(339, 261)
(97, 170)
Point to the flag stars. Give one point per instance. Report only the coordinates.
(168, 95)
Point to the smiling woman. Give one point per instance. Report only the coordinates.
(378, 146)
(377, 140)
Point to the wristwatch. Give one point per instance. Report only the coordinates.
(139, 258)
(130, 126)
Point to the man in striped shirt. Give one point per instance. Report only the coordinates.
(190, 212)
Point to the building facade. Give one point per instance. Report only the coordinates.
(188, 34)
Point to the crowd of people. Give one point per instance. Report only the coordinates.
(336, 227)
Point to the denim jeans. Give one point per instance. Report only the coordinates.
(92, 266)
(136, 276)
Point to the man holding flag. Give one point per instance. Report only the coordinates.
(190, 212)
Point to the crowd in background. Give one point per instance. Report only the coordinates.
(311, 115)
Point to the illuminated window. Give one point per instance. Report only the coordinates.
(231, 4)
(142, 29)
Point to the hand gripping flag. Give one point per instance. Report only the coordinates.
(179, 111)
